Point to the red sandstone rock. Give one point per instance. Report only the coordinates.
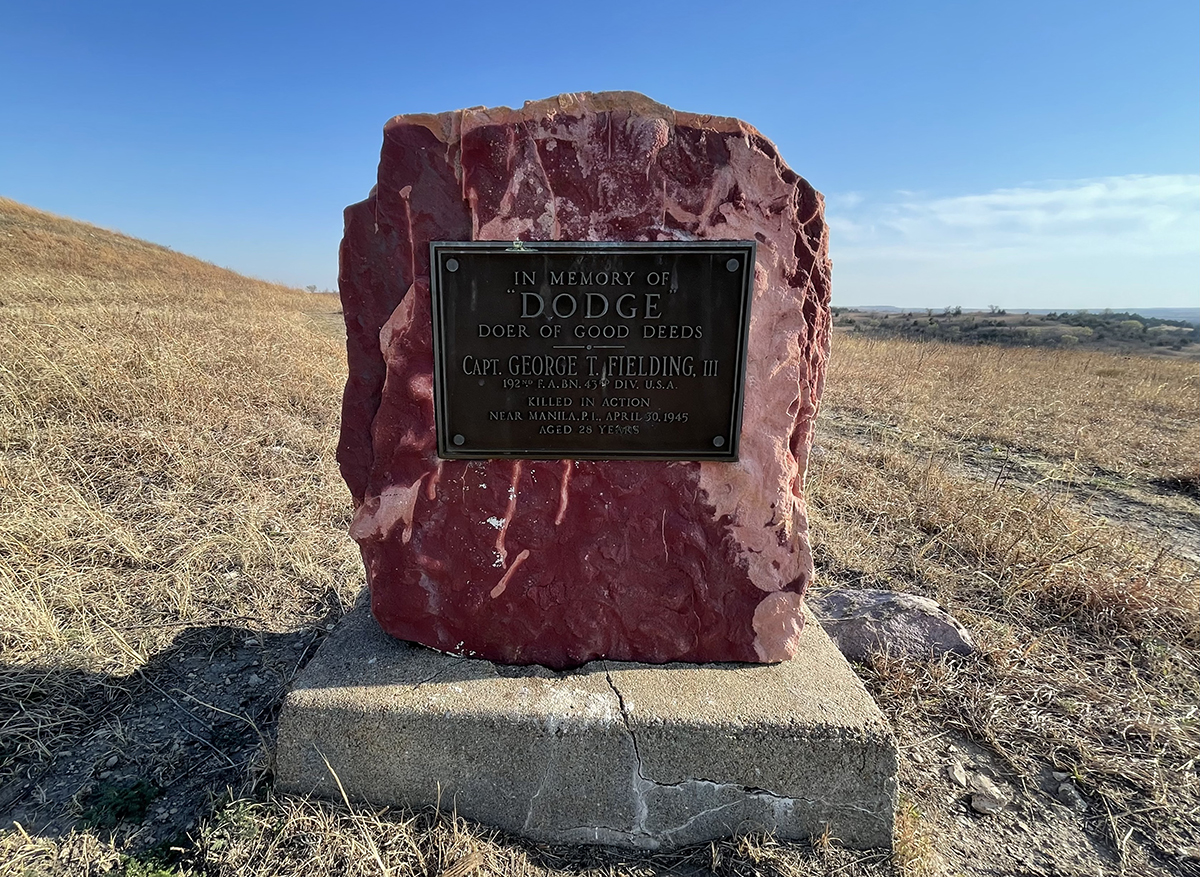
(561, 562)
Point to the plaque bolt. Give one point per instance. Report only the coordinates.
(460, 439)
(731, 265)
(718, 441)
(452, 266)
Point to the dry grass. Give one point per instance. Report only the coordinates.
(294, 837)
(165, 436)
(166, 463)
(1090, 631)
(1124, 415)
(1006, 549)
(302, 837)
(915, 853)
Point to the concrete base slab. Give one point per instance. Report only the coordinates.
(633, 755)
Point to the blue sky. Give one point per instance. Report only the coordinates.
(1025, 154)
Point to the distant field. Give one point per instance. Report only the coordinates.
(1184, 315)
(1118, 333)
(173, 548)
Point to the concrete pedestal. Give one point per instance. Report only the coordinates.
(633, 755)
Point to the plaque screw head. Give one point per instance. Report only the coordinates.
(460, 439)
(731, 265)
(452, 265)
(719, 441)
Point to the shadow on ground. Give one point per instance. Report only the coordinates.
(144, 757)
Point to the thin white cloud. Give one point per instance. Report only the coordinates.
(1107, 242)
(1131, 215)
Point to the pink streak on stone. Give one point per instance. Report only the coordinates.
(509, 512)
(377, 517)
(503, 583)
(431, 487)
(652, 561)
(563, 495)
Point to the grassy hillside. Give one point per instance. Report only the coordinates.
(173, 548)
(165, 431)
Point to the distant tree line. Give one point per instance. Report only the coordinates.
(1108, 318)
(1154, 331)
(1123, 330)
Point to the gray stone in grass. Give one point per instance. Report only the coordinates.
(987, 798)
(864, 622)
(1069, 795)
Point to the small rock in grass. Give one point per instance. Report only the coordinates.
(957, 774)
(1069, 795)
(987, 798)
(863, 622)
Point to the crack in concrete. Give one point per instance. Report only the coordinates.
(541, 788)
(780, 807)
(641, 783)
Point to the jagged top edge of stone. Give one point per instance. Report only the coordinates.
(448, 125)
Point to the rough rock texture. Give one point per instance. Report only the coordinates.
(864, 622)
(647, 561)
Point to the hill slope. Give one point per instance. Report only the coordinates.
(160, 420)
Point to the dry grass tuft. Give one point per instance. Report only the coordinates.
(78, 854)
(915, 852)
(37, 712)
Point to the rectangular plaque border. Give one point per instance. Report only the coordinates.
(446, 451)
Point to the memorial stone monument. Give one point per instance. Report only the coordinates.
(694, 557)
(587, 341)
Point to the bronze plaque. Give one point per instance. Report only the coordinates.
(591, 351)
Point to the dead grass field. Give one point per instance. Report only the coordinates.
(171, 520)
(165, 428)
(1023, 489)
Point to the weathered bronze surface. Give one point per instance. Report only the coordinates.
(601, 351)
